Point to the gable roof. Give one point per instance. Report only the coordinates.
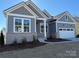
(6, 10)
(46, 13)
(18, 6)
(27, 3)
(62, 14)
(37, 10)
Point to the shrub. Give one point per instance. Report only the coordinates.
(77, 36)
(24, 41)
(35, 41)
(2, 39)
(50, 37)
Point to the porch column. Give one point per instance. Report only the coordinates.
(35, 24)
(45, 28)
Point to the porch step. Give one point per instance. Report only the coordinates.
(42, 39)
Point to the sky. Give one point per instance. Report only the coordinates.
(54, 7)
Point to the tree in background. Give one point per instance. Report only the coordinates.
(1, 38)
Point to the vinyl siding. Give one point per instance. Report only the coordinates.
(65, 25)
(52, 29)
(11, 24)
(22, 10)
(66, 19)
(35, 11)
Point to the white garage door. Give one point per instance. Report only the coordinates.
(66, 33)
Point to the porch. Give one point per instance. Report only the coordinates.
(40, 28)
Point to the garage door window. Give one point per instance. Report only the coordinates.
(71, 29)
(68, 29)
(60, 29)
(64, 29)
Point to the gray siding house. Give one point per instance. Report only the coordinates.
(26, 20)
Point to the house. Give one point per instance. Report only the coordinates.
(77, 25)
(62, 26)
(25, 20)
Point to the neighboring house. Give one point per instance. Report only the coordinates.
(62, 26)
(26, 20)
(77, 25)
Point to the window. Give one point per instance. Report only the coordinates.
(68, 29)
(64, 29)
(71, 29)
(22, 25)
(42, 27)
(18, 25)
(26, 25)
(60, 29)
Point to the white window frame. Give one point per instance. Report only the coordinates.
(40, 27)
(22, 24)
(43, 25)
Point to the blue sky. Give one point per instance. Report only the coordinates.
(54, 7)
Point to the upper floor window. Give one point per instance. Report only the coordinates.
(22, 25)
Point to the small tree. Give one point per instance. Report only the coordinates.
(35, 41)
(2, 39)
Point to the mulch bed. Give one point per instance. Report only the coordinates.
(20, 46)
(56, 40)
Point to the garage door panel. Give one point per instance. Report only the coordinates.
(66, 34)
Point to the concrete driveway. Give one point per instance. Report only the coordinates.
(68, 49)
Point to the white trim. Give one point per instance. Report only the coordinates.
(30, 10)
(15, 7)
(22, 24)
(7, 24)
(39, 11)
(60, 17)
(41, 18)
(20, 5)
(45, 28)
(30, 25)
(65, 22)
(20, 15)
(14, 24)
(6, 29)
(35, 24)
(67, 14)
